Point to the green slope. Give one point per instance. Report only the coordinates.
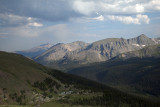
(137, 71)
(25, 82)
(17, 71)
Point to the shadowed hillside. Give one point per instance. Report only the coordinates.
(137, 71)
(24, 82)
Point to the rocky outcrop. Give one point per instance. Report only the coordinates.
(60, 51)
(149, 51)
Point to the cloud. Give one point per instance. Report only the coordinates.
(121, 10)
(88, 7)
(84, 7)
(100, 18)
(139, 19)
(35, 24)
(137, 8)
(143, 18)
(152, 5)
(50, 10)
(11, 20)
(65, 10)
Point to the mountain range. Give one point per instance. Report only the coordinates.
(66, 56)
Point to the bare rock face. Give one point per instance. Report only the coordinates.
(149, 51)
(83, 53)
(141, 40)
(59, 51)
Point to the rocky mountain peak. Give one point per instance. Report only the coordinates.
(141, 40)
(59, 51)
(142, 36)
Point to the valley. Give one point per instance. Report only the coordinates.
(48, 87)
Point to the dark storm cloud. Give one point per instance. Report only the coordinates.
(51, 10)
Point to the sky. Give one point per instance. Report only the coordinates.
(28, 23)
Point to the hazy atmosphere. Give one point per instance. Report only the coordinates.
(28, 23)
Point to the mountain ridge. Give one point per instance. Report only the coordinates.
(98, 51)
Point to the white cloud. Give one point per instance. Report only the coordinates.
(100, 18)
(29, 18)
(130, 20)
(152, 5)
(88, 7)
(133, 9)
(114, 7)
(35, 24)
(14, 25)
(139, 8)
(15, 20)
(124, 19)
(84, 7)
(11, 19)
(143, 18)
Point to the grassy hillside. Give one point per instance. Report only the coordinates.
(137, 71)
(24, 82)
(17, 71)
